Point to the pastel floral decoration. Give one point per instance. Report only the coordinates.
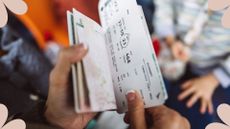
(15, 6)
(224, 113)
(14, 124)
(218, 5)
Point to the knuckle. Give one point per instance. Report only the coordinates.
(206, 98)
(199, 94)
(62, 53)
(52, 76)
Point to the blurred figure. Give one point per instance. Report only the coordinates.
(149, 9)
(183, 25)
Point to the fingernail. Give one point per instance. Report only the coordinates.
(131, 95)
(84, 46)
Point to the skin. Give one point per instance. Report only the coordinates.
(60, 111)
(160, 117)
(201, 88)
(178, 49)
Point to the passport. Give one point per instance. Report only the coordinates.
(120, 58)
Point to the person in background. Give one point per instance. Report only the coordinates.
(206, 82)
(24, 69)
(149, 9)
(60, 111)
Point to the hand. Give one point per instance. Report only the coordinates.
(180, 51)
(60, 110)
(200, 88)
(160, 117)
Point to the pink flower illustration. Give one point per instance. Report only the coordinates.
(218, 5)
(14, 124)
(224, 114)
(15, 6)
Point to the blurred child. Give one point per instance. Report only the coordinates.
(207, 78)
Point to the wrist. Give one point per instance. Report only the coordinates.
(214, 80)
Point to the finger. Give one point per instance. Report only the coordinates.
(210, 107)
(126, 118)
(186, 93)
(192, 100)
(186, 85)
(136, 110)
(203, 106)
(66, 58)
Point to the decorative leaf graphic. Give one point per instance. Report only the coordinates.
(226, 18)
(14, 124)
(3, 115)
(3, 14)
(224, 114)
(16, 6)
(217, 5)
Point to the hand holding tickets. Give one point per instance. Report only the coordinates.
(120, 58)
(159, 117)
(60, 111)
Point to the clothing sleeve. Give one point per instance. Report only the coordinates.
(163, 20)
(223, 73)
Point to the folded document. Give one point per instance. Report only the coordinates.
(120, 58)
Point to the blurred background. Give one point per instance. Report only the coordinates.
(188, 39)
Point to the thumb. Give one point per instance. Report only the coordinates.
(66, 58)
(136, 110)
(69, 56)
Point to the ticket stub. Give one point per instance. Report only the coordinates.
(95, 68)
(132, 58)
(120, 58)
